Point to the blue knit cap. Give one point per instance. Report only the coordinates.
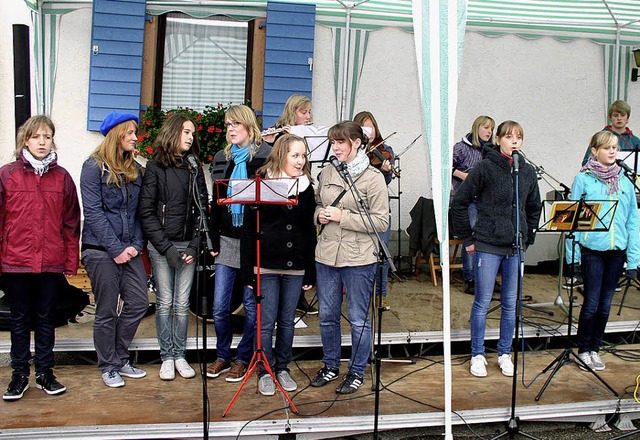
(115, 118)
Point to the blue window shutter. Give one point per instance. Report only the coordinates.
(288, 47)
(116, 62)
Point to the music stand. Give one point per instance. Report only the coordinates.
(258, 192)
(576, 216)
(315, 140)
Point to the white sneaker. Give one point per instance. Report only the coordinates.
(596, 361)
(184, 369)
(478, 366)
(586, 358)
(168, 370)
(505, 364)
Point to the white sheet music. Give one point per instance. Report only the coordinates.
(271, 190)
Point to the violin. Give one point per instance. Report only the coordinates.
(378, 154)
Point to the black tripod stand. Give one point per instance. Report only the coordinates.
(580, 209)
(513, 427)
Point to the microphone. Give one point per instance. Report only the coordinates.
(516, 160)
(193, 165)
(340, 167)
(625, 167)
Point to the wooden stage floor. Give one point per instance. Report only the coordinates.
(412, 396)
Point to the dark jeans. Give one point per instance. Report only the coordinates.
(32, 297)
(600, 273)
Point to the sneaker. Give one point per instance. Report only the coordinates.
(184, 369)
(48, 383)
(304, 307)
(237, 371)
(217, 368)
(576, 280)
(596, 361)
(266, 385)
(286, 381)
(168, 370)
(470, 287)
(18, 385)
(324, 376)
(586, 358)
(478, 366)
(350, 384)
(505, 364)
(113, 379)
(128, 370)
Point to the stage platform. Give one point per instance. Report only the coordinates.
(412, 397)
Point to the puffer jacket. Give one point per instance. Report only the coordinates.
(39, 220)
(349, 243)
(490, 184)
(167, 206)
(624, 231)
(110, 218)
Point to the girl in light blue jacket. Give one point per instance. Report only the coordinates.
(603, 253)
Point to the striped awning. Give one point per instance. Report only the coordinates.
(597, 20)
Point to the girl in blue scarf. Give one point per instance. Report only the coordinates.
(243, 155)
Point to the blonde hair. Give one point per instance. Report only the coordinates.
(29, 128)
(274, 165)
(118, 162)
(294, 103)
(245, 116)
(475, 128)
(602, 139)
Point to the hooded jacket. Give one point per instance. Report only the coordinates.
(627, 141)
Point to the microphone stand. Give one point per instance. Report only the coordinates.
(203, 226)
(383, 255)
(512, 424)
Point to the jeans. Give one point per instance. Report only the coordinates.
(467, 258)
(487, 266)
(225, 277)
(600, 274)
(358, 282)
(110, 282)
(381, 282)
(32, 298)
(172, 302)
(280, 295)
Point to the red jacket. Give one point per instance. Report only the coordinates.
(39, 220)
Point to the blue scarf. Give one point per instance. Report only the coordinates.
(240, 156)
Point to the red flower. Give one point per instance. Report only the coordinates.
(136, 152)
(210, 158)
(218, 130)
(147, 135)
(149, 150)
(199, 127)
(140, 138)
(198, 118)
(211, 129)
(219, 105)
(148, 122)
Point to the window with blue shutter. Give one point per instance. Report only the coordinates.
(288, 54)
(116, 60)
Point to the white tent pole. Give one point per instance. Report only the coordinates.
(616, 54)
(347, 48)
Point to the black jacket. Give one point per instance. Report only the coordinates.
(221, 169)
(287, 238)
(491, 184)
(167, 206)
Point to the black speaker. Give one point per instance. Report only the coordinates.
(21, 74)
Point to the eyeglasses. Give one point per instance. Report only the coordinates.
(234, 124)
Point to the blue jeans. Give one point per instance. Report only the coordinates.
(600, 273)
(487, 266)
(32, 298)
(381, 283)
(467, 258)
(225, 277)
(358, 282)
(172, 303)
(280, 295)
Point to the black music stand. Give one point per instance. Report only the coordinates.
(576, 216)
(257, 192)
(315, 140)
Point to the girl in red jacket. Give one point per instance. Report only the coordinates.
(40, 224)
